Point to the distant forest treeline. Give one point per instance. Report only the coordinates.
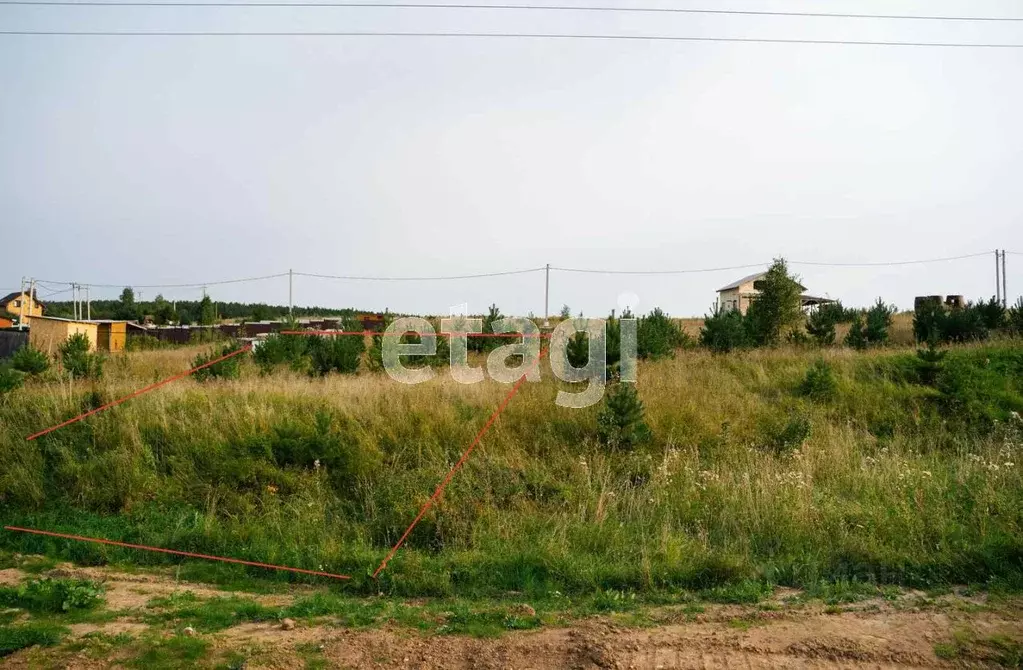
(187, 312)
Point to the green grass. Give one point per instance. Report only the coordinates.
(209, 616)
(17, 637)
(175, 652)
(746, 483)
(965, 645)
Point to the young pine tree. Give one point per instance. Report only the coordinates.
(776, 308)
(821, 326)
(723, 331)
(879, 320)
(621, 422)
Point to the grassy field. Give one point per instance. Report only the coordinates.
(748, 483)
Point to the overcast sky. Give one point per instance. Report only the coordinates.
(151, 160)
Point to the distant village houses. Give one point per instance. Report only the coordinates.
(739, 295)
(19, 304)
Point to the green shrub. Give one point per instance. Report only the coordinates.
(621, 423)
(335, 353)
(857, 335)
(578, 349)
(30, 360)
(10, 379)
(229, 368)
(992, 313)
(658, 335)
(278, 350)
(821, 325)
(145, 343)
(970, 323)
(871, 328)
(819, 383)
(483, 344)
(837, 313)
(929, 320)
(613, 340)
(782, 438)
(1014, 318)
(723, 331)
(78, 361)
(929, 362)
(52, 596)
(964, 324)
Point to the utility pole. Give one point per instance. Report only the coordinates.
(998, 279)
(21, 315)
(88, 304)
(547, 297)
(291, 276)
(31, 293)
(74, 302)
(1005, 288)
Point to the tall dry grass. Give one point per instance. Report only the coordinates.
(745, 477)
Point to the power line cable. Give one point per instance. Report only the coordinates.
(441, 278)
(885, 263)
(522, 7)
(506, 273)
(761, 265)
(550, 36)
(660, 272)
(194, 285)
(49, 295)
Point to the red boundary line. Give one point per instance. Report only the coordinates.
(143, 547)
(373, 333)
(138, 393)
(451, 473)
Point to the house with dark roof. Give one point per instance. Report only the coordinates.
(21, 304)
(739, 294)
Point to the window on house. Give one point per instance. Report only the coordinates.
(758, 284)
(17, 303)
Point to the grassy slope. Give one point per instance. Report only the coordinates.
(882, 488)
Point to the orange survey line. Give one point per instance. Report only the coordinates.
(451, 473)
(189, 554)
(138, 393)
(373, 333)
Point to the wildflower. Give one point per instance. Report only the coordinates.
(316, 464)
(271, 489)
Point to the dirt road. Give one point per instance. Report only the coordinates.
(147, 621)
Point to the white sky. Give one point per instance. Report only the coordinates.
(167, 160)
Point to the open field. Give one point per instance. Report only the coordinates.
(748, 485)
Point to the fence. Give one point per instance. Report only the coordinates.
(11, 341)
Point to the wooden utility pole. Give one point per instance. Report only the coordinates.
(1005, 288)
(998, 279)
(547, 297)
(21, 298)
